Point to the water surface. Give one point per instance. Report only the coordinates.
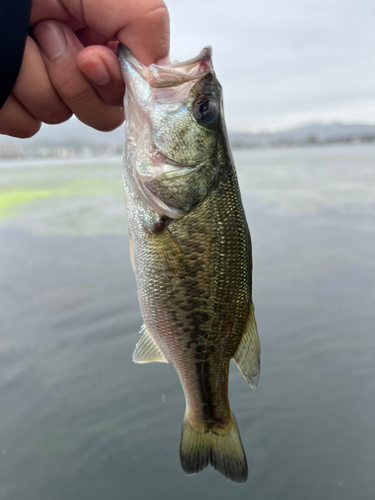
(79, 420)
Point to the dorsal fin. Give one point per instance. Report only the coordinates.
(147, 350)
(247, 357)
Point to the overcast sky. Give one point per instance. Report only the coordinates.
(284, 63)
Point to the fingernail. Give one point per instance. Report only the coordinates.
(51, 39)
(95, 69)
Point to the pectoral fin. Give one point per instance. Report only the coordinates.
(147, 350)
(247, 357)
(174, 259)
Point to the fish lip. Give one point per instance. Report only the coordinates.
(171, 75)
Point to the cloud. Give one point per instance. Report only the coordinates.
(280, 62)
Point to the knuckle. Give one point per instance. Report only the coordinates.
(158, 9)
(16, 121)
(74, 93)
(158, 16)
(59, 115)
(157, 19)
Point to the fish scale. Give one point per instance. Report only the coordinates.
(191, 251)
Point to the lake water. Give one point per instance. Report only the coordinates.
(79, 420)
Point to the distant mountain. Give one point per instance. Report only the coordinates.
(70, 133)
(335, 132)
(74, 134)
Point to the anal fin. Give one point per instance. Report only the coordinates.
(147, 350)
(247, 357)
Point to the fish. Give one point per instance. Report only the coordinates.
(190, 249)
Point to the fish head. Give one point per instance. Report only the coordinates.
(173, 117)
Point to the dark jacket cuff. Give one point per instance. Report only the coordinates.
(14, 22)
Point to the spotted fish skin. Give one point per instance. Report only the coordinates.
(191, 249)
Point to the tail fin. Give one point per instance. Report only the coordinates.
(216, 445)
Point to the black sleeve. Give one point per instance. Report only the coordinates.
(14, 21)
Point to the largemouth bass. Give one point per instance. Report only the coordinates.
(191, 249)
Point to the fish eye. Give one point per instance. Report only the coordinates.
(206, 111)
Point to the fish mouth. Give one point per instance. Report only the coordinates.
(162, 84)
(171, 75)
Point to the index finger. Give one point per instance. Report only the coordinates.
(141, 25)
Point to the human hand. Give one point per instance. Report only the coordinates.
(70, 66)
